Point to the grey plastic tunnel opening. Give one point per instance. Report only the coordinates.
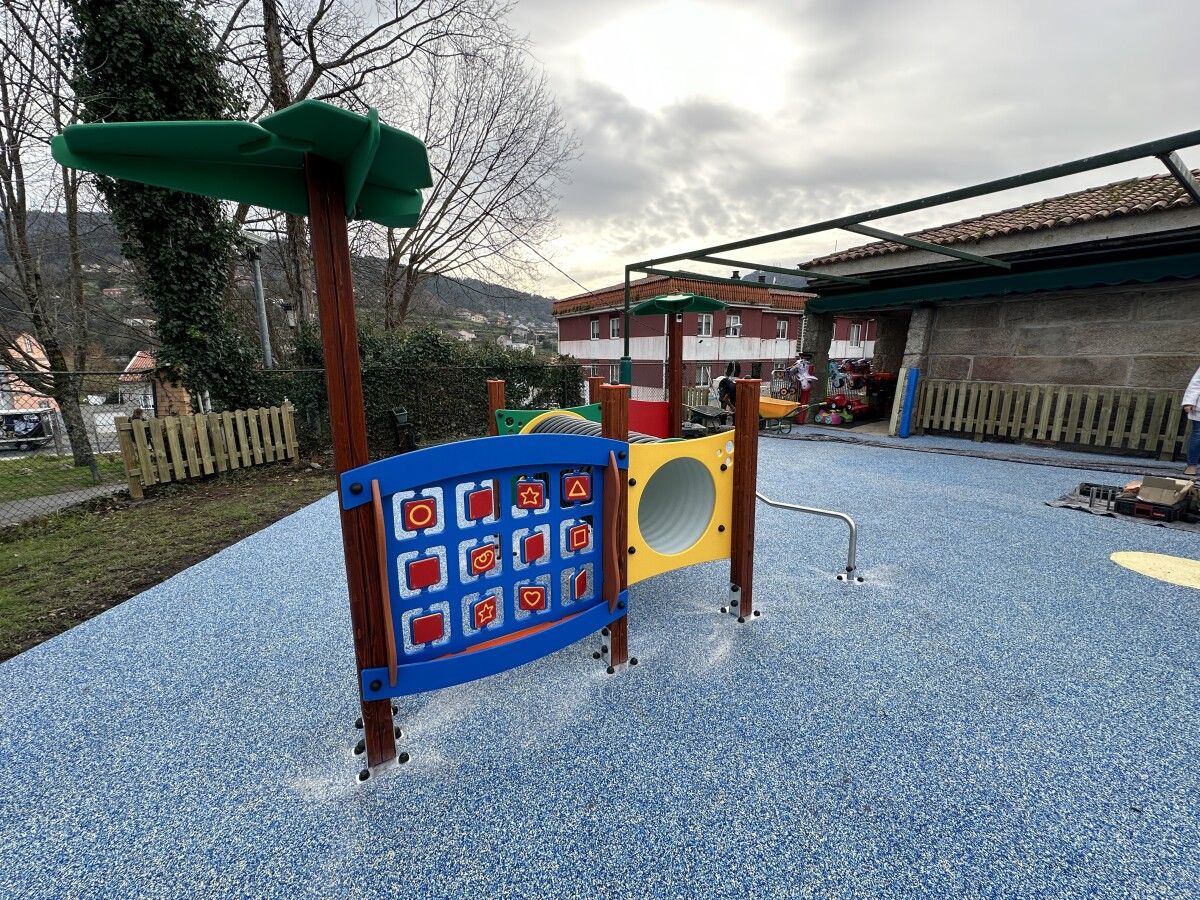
(676, 505)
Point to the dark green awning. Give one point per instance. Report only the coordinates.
(1135, 271)
(667, 304)
(262, 163)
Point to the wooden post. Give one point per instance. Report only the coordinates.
(614, 424)
(594, 383)
(675, 375)
(495, 403)
(133, 470)
(343, 381)
(745, 483)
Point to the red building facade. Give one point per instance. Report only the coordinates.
(761, 330)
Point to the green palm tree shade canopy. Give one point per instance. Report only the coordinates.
(262, 163)
(667, 304)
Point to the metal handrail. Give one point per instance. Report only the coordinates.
(828, 513)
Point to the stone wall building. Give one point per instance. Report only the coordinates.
(1096, 288)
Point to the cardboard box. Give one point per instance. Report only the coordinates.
(1164, 491)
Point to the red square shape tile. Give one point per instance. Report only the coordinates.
(532, 597)
(483, 559)
(426, 629)
(577, 488)
(531, 494)
(420, 514)
(424, 572)
(485, 612)
(480, 504)
(578, 537)
(534, 547)
(580, 584)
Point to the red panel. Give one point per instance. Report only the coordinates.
(424, 572)
(483, 559)
(581, 584)
(534, 547)
(532, 597)
(419, 514)
(426, 629)
(578, 537)
(531, 495)
(577, 488)
(484, 612)
(649, 417)
(480, 504)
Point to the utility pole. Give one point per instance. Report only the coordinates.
(260, 301)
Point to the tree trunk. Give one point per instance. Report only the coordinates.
(411, 279)
(297, 261)
(64, 388)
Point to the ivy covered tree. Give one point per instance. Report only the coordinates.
(144, 60)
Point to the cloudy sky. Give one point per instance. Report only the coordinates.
(709, 120)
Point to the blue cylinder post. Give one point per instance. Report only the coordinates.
(910, 400)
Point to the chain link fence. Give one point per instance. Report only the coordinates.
(55, 453)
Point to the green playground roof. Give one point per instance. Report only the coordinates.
(665, 304)
(262, 163)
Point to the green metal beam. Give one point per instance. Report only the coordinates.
(917, 244)
(780, 270)
(1158, 148)
(1183, 175)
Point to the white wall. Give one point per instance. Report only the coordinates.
(844, 350)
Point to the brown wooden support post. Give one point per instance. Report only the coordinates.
(495, 403)
(675, 374)
(614, 424)
(343, 381)
(594, 383)
(745, 484)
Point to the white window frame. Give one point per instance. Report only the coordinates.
(595, 329)
(703, 374)
(856, 334)
(614, 373)
(704, 325)
(614, 326)
(781, 329)
(733, 325)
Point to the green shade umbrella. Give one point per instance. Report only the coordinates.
(667, 304)
(263, 163)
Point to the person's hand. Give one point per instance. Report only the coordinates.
(1189, 407)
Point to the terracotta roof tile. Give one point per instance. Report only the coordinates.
(750, 293)
(1121, 198)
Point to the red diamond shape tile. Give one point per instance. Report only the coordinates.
(532, 597)
(483, 559)
(480, 504)
(426, 629)
(424, 572)
(535, 547)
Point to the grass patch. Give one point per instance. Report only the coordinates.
(66, 568)
(38, 476)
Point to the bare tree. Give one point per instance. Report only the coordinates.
(500, 150)
(340, 50)
(45, 294)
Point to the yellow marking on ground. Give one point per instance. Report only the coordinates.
(1171, 569)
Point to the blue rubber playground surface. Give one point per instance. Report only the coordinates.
(998, 711)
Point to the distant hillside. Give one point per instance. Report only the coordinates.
(439, 298)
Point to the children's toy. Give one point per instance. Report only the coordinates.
(778, 415)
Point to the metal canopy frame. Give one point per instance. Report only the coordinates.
(1163, 149)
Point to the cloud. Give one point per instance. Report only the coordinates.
(872, 103)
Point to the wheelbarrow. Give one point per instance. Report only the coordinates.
(775, 416)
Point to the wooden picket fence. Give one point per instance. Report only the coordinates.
(158, 451)
(1133, 420)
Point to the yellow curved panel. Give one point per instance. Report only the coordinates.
(529, 426)
(1171, 569)
(652, 522)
